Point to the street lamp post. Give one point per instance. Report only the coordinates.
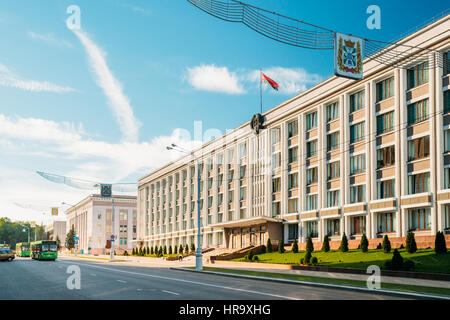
(28, 232)
(198, 254)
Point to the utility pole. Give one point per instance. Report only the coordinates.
(111, 254)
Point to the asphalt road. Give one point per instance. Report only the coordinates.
(24, 278)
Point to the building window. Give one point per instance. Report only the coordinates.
(276, 160)
(242, 150)
(311, 120)
(386, 222)
(357, 101)
(418, 112)
(242, 194)
(418, 75)
(357, 225)
(311, 175)
(276, 209)
(447, 218)
(358, 163)
(333, 198)
(357, 132)
(447, 178)
(419, 219)
(419, 183)
(358, 193)
(385, 157)
(333, 141)
(292, 154)
(333, 170)
(292, 128)
(385, 89)
(292, 231)
(275, 136)
(276, 185)
(311, 202)
(333, 227)
(311, 148)
(312, 229)
(386, 189)
(447, 101)
(419, 148)
(385, 122)
(332, 111)
(293, 181)
(292, 205)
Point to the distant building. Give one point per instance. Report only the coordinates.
(57, 229)
(92, 220)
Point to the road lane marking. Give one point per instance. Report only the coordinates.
(170, 292)
(122, 281)
(191, 282)
(93, 274)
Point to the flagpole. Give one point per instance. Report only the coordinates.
(260, 88)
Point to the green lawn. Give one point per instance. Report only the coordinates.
(426, 260)
(392, 286)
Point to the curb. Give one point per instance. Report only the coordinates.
(321, 284)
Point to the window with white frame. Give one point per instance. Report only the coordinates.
(386, 222)
(333, 227)
(358, 193)
(311, 202)
(332, 111)
(333, 199)
(311, 120)
(419, 219)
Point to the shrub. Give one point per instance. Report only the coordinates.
(250, 255)
(181, 249)
(175, 249)
(397, 260)
(148, 250)
(439, 243)
(408, 265)
(344, 243)
(281, 246)
(186, 248)
(170, 249)
(326, 244)
(295, 246)
(379, 246)
(125, 253)
(255, 258)
(307, 258)
(151, 250)
(132, 252)
(192, 247)
(160, 252)
(309, 245)
(269, 246)
(314, 261)
(156, 250)
(263, 249)
(364, 243)
(165, 250)
(386, 244)
(411, 245)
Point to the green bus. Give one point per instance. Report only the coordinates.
(44, 250)
(23, 249)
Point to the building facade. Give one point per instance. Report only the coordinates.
(362, 157)
(57, 229)
(94, 223)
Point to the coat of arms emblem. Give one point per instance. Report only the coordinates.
(257, 123)
(348, 56)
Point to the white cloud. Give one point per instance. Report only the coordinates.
(111, 87)
(221, 79)
(216, 79)
(49, 38)
(9, 79)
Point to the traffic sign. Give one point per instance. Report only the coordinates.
(76, 238)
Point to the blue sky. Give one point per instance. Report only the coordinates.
(102, 104)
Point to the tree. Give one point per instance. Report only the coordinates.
(326, 244)
(70, 238)
(132, 252)
(151, 250)
(386, 244)
(439, 243)
(397, 260)
(170, 249)
(192, 247)
(175, 249)
(309, 244)
(160, 253)
(181, 249)
(344, 243)
(263, 249)
(364, 243)
(165, 249)
(148, 250)
(411, 245)
(156, 250)
(269, 245)
(250, 255)
(295, 246)
(307, 258)
(186, 248)
(281, 246)
(58, 241)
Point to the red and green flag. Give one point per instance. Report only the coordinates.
(266, 79)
